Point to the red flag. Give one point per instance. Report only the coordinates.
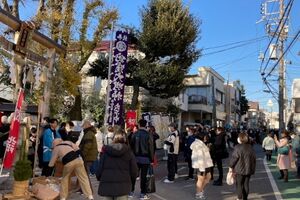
(130, 118)
(12, 141)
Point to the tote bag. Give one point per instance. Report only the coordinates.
(230, 179)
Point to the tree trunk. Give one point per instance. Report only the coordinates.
(135, 96)
(76, 113)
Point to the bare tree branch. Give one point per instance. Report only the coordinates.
(105, 21)
(56, 14)
(5, 5)
(38, 19)
(89, 7)
(15, 8)
(68, 21)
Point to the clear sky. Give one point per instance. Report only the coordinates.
(224, 22)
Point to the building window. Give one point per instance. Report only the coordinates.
(297, 105)
(219, 96)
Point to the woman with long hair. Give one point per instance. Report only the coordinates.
(283, 158)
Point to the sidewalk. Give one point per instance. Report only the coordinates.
(289, 190)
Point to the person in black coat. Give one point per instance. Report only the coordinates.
(220, 153)
(155, 137)
(191, 132)
(117, 169)
(243, 164)
(142, 147)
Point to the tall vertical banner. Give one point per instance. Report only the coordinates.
(131, 118)
(117, 79)
(12, 141)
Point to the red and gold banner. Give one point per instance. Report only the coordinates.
(131, 118)
(12, 141)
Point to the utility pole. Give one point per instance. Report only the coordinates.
(281, 100)
(228, 103)
(276, 27)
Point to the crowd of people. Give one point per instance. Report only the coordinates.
(287, 146)
(119, 158)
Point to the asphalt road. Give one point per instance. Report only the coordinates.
(260, 186)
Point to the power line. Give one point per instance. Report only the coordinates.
(290, 45)
(230, 48)
(290, 7)
(224, 64)
(277, 28)
(269, 89)
(233, 43)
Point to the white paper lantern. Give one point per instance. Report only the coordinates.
(43, 77)
(30, 77)
(37, 73)
(12, 71)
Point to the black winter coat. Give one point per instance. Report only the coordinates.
(243, 159)
(142, 144)
(117, 170)
(219, 146)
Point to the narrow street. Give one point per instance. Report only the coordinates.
(260, 186)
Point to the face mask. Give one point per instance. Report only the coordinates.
(239, 141)
(68, 129)
(292, 136)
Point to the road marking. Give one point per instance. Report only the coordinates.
(273, 183)
(158, 196)
(180, 169)
(190, 185)
(183, 175)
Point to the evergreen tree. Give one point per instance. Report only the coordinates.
(243, 102)
(167, 37)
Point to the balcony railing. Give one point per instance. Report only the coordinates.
(197, 99)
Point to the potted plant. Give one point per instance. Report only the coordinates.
(22, 174)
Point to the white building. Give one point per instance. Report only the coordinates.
(233, 107)
(201, 89)
(295, 105)
(272, 119)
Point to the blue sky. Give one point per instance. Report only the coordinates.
(226, 22)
